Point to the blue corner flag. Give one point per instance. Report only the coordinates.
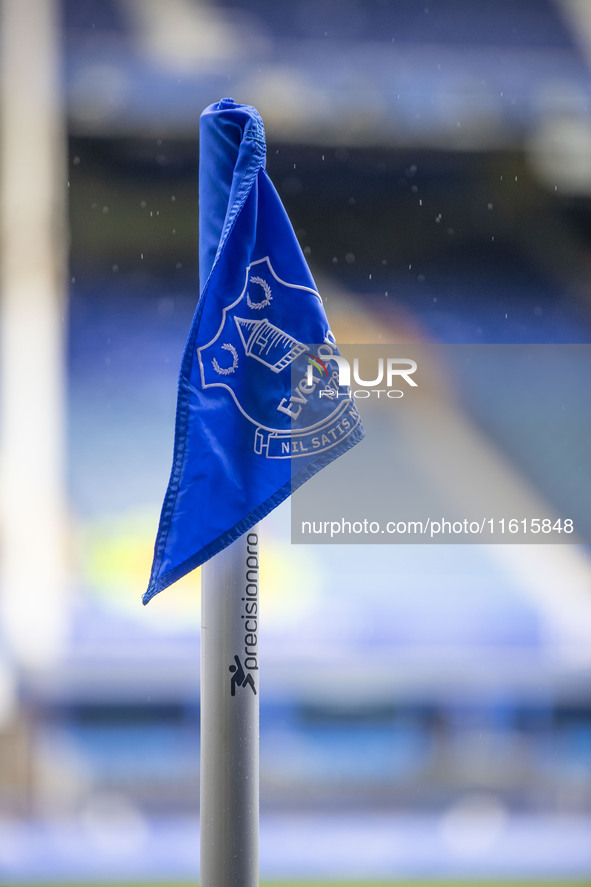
(259, 409)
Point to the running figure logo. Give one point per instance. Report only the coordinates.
(240, 678)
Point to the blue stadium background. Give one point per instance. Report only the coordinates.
(419, 715)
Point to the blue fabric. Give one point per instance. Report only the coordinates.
(245, 437)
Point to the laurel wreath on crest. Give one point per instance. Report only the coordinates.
(226, 371)
(267, 291)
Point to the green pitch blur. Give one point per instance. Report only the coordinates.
(586, 882)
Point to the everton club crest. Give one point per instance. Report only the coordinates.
(262, 354)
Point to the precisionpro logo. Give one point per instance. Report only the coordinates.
(246, 664)
(390, 371)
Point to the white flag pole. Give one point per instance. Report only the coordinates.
(33, 588)
(230, 716)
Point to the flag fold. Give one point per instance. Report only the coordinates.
(259, 408)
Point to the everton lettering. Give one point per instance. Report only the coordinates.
(259, 339)
(307, 386)
(293, 406)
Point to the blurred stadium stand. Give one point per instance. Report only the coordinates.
(434, 158)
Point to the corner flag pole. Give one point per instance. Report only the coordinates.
(234, 441)
(230, 716)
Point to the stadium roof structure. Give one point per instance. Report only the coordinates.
(448, 74)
